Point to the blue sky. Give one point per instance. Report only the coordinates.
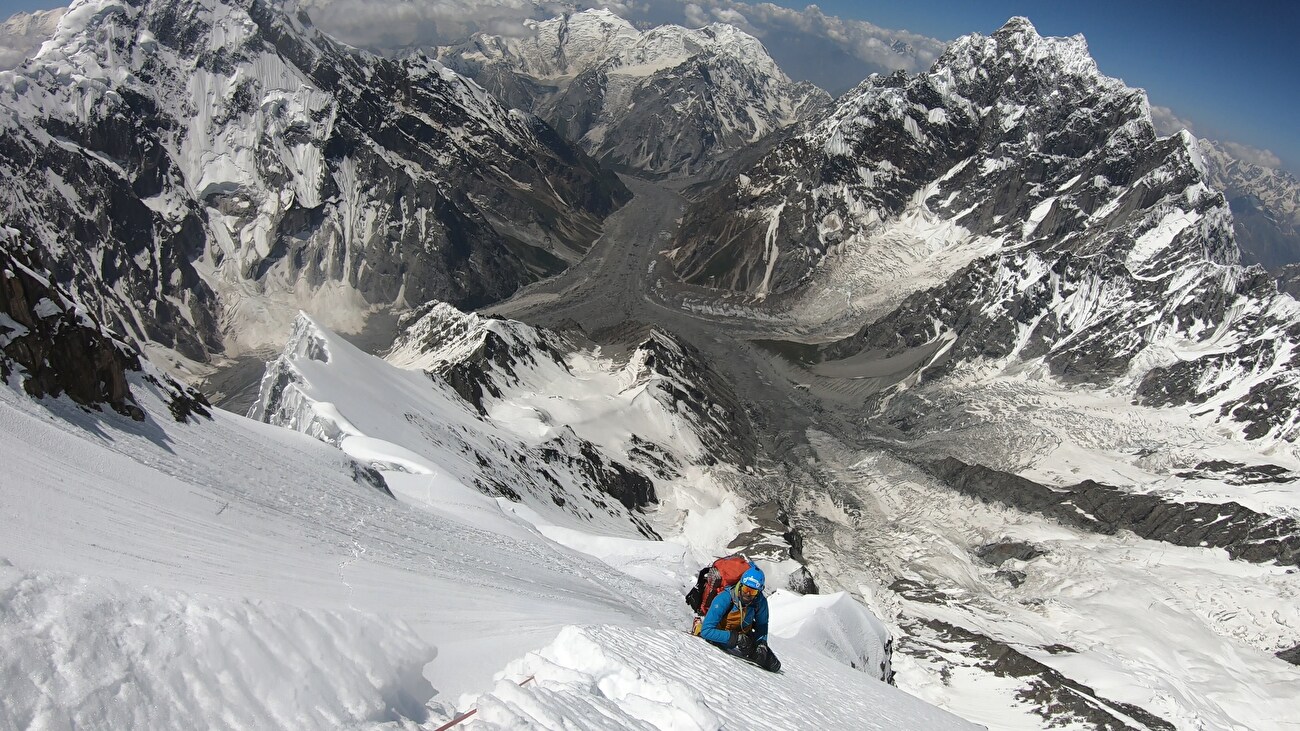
(1230, 68)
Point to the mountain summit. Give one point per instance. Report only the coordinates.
(669, 100)
(1011, 205)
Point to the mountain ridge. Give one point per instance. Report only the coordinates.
(229, 164)
(669, 101)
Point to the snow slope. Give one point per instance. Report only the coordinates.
(226, 573)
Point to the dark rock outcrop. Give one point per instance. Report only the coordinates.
(1245, 534)
(1292, 656)
(995, 554)
(55, 348)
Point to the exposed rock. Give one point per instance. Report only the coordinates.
(217, 160)
(55, 348)
(1235, 473)
(1292, 656)
(995, 554)
(1014, 578)
(669, 101)
(370, 477)
(1244, 533)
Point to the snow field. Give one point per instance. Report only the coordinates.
(297, 566)
(609, 677)
(96, 653)
(229, 574)
(1185, 633)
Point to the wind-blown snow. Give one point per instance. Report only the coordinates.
(602, 677)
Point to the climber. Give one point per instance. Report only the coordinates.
(737, 621)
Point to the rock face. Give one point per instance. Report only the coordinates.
(1244, 533)
(200, 170)
(669, 101)
(1017, 206)
(1265, 206)
(54, 348)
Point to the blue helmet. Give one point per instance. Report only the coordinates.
(750, 584)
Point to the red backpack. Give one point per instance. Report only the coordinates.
(713, 579)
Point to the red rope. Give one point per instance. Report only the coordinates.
(472, 711)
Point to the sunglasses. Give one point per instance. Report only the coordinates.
(748, 592)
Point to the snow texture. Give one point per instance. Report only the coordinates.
(223, 572)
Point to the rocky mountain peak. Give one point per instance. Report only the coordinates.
(1016, 61)
(1012, 183)
(195, 167)
(667, 101)
(570, 43)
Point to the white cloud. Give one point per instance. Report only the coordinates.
(1256, 155)
(881, 48)
(1167, 123)
(696, 16)
(383, 25)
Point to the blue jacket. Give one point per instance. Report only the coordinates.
(724, 604)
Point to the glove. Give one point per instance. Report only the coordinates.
(744, 644)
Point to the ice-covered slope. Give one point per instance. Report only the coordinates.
(669, 100)
(406, 421)
(200, 170)
(224, 572)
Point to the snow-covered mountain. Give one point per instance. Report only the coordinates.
(531, 416)
(1265, 206)
(1011, 205)
(669, 100)
(23, 33)
(200, 170)
(50, 346)
(398, 593)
